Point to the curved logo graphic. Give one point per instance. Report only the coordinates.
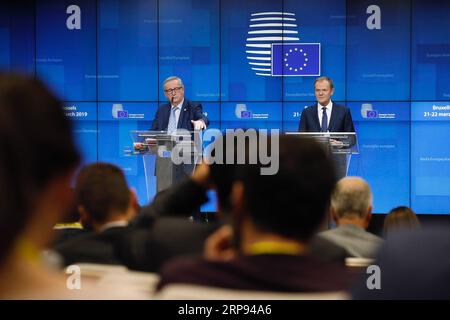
(273, 47)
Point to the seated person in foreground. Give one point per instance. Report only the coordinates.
(121, 236)
(37, 163)
(163, 230)
(414, 264)
(106, 206)
(351, 208)
(69, 227)
(267, 246)
(400, 219)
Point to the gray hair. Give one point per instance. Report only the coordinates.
(173, 78)
(324, 79)
(351, 197)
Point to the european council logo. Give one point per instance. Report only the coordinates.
(367, 111)
(242, 112)
(118, 112)
(273, 48)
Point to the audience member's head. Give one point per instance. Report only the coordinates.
(351, 202)
(222, 175)
(291, 203)
(72, 215)
(400, 218)
(37, 159)
(37, 162)
(103, 196)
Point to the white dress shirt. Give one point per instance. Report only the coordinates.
(178, 111)
(329, 107)
(120, 223)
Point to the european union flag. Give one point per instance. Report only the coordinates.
(122, 114)
(372, 114)
(296, 59)
(246, 114)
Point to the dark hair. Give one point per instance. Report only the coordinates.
(400, 218)
(72, 215)
(101, 188)
(36, 146)
(222, 175)
(293, 201)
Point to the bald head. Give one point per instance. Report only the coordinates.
(351, 198)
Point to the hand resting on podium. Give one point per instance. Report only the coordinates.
(139, 146)
(336, 143)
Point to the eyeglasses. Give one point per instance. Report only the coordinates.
(174, 90)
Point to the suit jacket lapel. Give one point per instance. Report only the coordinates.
(316, 118)
(166, 117)
(332, 117)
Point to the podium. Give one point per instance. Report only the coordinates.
(339, 145)
(168, 157)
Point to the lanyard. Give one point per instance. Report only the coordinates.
(273, 247)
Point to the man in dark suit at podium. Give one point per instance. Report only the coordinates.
(179, 113)
(326, 116)
(337, 118)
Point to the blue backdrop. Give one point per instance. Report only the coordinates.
(390, 57)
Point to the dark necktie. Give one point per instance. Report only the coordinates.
(324, 120)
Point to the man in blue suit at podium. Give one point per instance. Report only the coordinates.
(179, 113)
(326, 116)
(337, 118)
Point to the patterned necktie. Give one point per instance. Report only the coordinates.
(324, 120)
(172, 127)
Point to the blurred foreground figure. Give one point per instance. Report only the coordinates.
(413, 264)
(37, 163)
(266, 247)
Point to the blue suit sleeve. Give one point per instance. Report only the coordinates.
(155, 126)
(302, 124)
(349, 127)
(198, 114)
(348, 124)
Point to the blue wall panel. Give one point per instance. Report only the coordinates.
(123, 50)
